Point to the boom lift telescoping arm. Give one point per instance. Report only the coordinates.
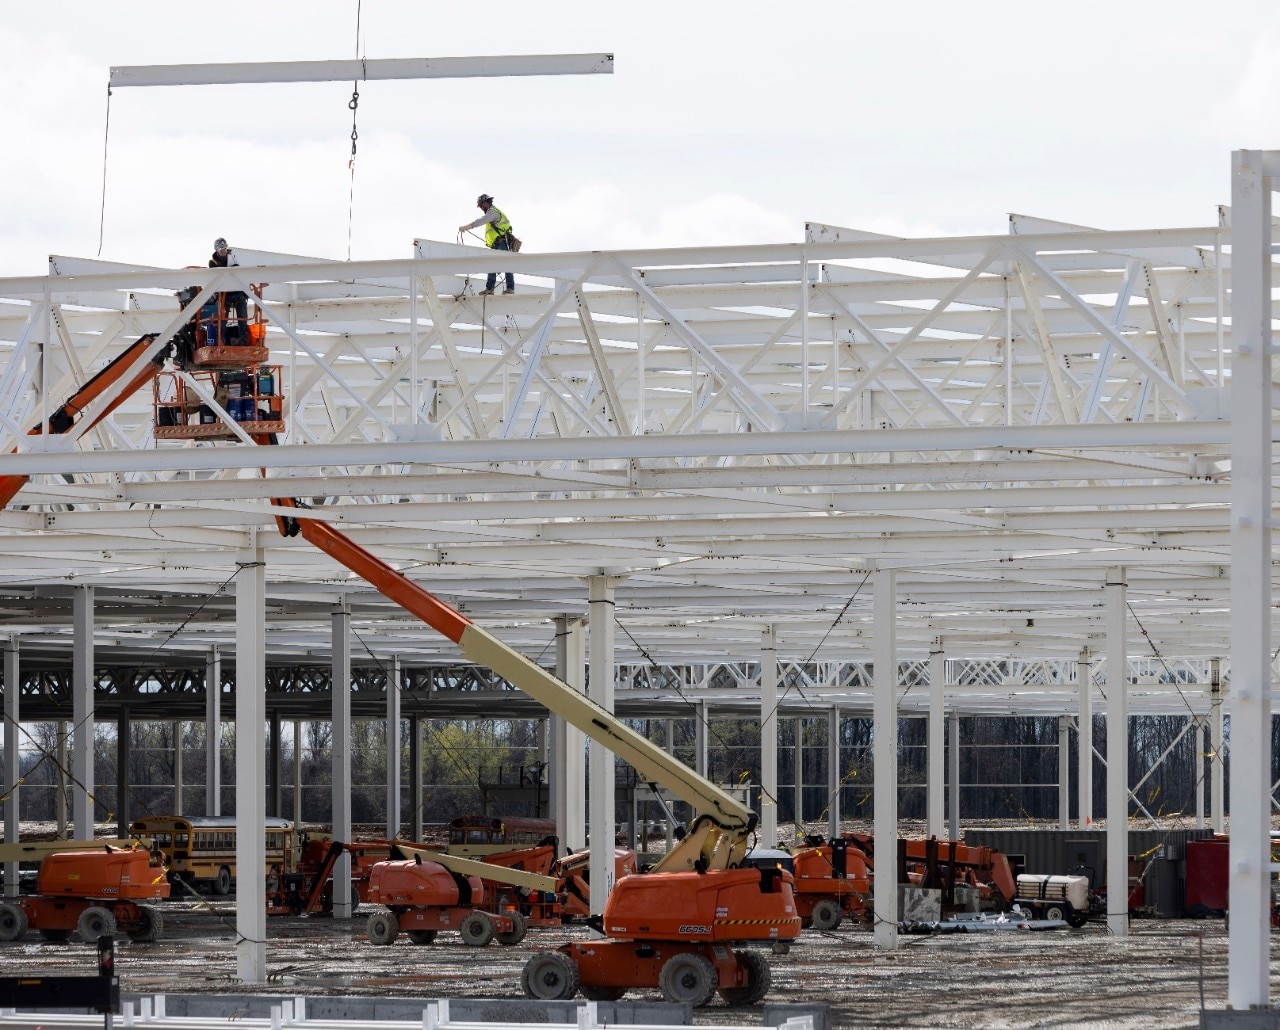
(65, 417)
(718, 835)
(134, 367)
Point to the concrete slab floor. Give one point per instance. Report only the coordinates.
(1161, 975)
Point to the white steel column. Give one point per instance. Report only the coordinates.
(60, 795)
(701, 743)
(1084, 740)
(393, 749)
(179, 772)
(341, 758)
(834, 775)
(1251, 600)
(12, 768)
(1064, 772)
(1199, 751)
(251, 765)
(953, 750)
(799, 815)
(83, 732)
(213, 732)
(1217, 786)
(936, 778)
(1117, 757)
(568, 743)
(297, 772)
(671, 750)
(885, 764)
(600, 760)
(769, 736)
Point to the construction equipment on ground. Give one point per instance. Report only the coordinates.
(954, 868)
(94, 893)
(432, 891)
(832, 881)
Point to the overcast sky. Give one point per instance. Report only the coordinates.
(723, 122)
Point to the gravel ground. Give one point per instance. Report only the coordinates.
(1158, 976)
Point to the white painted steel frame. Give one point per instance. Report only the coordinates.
(743, 432)
(1254, 175)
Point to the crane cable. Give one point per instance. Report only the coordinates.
(354, 104)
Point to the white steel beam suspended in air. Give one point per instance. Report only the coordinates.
(361, 70)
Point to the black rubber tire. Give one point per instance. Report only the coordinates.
(1076, 918)
(759, 978)
(150, 925)
(382, 928)
(222, 882)
(1054, 912)
(550, 976)
(688, 978)
(13, 922)
(827, 914)
(519, 927)
(601, 993)
(421, 936)
(476, 930)
(95, 922)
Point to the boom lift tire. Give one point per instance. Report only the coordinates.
(602, 993)
(383, 928)
(550, 976)
(222, 883)
(150, 925)
(13, 922)
(519, 927)
(94, 922)
(827, 915)
(419, 936)
(759, 978)
(476, 930)
(688, 979)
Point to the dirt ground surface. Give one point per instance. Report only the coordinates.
(1160, 975)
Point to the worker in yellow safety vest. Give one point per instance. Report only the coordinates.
(497, 236)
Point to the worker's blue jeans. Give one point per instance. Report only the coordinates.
(500, 244)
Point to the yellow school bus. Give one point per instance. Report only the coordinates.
(202, 849)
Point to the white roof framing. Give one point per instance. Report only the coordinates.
(740, 434)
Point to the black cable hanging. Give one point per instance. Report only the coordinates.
(106, 135)
(354, 105)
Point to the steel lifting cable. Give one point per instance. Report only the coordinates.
(106, 135)
(354, 104)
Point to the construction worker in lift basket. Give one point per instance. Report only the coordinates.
(235, 300)
(497, 236)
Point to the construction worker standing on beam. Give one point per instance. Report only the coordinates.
(497, 236)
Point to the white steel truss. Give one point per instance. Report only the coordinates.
(741, 434)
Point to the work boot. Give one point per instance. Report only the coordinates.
(486, 293)
(509, 289)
